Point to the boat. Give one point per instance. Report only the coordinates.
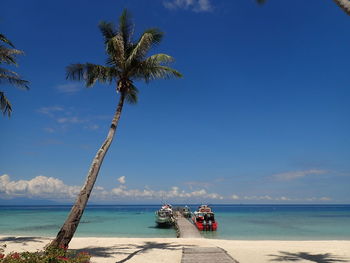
(186, 212)
(204, 219)
(164, 216)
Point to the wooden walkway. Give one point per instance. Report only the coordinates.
(206, 255)
(184, 228)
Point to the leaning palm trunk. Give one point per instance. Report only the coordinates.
(69, 227)
(344, 4)
(126, 62)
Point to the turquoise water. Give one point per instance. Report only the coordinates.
(250, 222)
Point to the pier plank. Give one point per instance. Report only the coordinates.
(206, 255)
(185, 228)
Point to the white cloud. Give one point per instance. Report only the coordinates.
(204, 5)
(174, 193)
(49, 130)
(39, 186)
(193, 5)
(297, 174)
(121, 179)
(49, 111)
(72, 120)
(264, 197)
(268, 198)
(69, 88)
(235, 197)
(197, 184)
(92, 127)
(313, 199)
(55, 189)
(65, 118)
(283, 198)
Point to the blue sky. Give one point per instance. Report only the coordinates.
(261, 115)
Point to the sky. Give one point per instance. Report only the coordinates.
(261, 115)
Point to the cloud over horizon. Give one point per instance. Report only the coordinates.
(40, 186)
(297, 174)
(55, 189)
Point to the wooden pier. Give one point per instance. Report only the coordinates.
(184, 228)
(206, 255)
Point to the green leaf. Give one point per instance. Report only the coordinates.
(148, 39)
(5, 104)
(90, 73)
(108, 30)
(5, 40)
(8, 55)
(11, 77)
(126, 61)
(126, 27)
(131, 94)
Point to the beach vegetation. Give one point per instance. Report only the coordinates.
(49, 255)
(126, 63)
(8, 55)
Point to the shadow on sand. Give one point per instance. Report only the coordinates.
(129, 250)
(318, 258)
(21, 239)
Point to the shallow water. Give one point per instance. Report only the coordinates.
(250, 222)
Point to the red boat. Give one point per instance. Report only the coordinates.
(204, 219)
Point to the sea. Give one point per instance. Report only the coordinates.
(236, 222)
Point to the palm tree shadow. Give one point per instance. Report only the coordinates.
(22, 240)
(317, 258)
(125, 249)
(99, 251)
(150, 245)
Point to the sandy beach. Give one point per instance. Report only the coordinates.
(169, 250)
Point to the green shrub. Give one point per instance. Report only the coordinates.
(49, 255)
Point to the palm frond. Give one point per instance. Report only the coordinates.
(160, 59)
(152, 72)
(8, 55)
(131, 94)
(126, 61)
(5, 104)
(155, 67)
(11, 77)
(344, 5)
(75, 71)
(9, 72)
(97, 73)
(115, 49)
(108, 30)
(140, 49)
(148, 39)
(157, 35)
(91, 73)
(126, 27)
(4, 39)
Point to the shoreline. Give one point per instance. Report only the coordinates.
(114, 249)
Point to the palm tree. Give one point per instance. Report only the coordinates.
(8, 56)
(126, 63)
(343, 4)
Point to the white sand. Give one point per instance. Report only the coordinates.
(169, 250)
